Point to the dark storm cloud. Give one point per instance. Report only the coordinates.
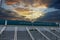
(6, 13)
(51, 16)
(55, 4)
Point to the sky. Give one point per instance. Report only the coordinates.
(55, 4)
(50, 8)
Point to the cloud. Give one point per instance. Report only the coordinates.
(51, 12)
(51, 16)
(55, 4)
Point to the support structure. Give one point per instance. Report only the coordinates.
(15, 34)
(51, 32)
(43, 34)
(58, 24)
(30, 33)
(5, 22)
(57, 30)
(2, 29)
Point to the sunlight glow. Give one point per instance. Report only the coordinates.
(27, 10)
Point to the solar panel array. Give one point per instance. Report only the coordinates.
(29, 33)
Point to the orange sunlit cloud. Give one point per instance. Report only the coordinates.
(27, 11)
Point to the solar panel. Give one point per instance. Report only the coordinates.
(30, 33)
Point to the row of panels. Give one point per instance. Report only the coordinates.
(31, 33)
(37, 23)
